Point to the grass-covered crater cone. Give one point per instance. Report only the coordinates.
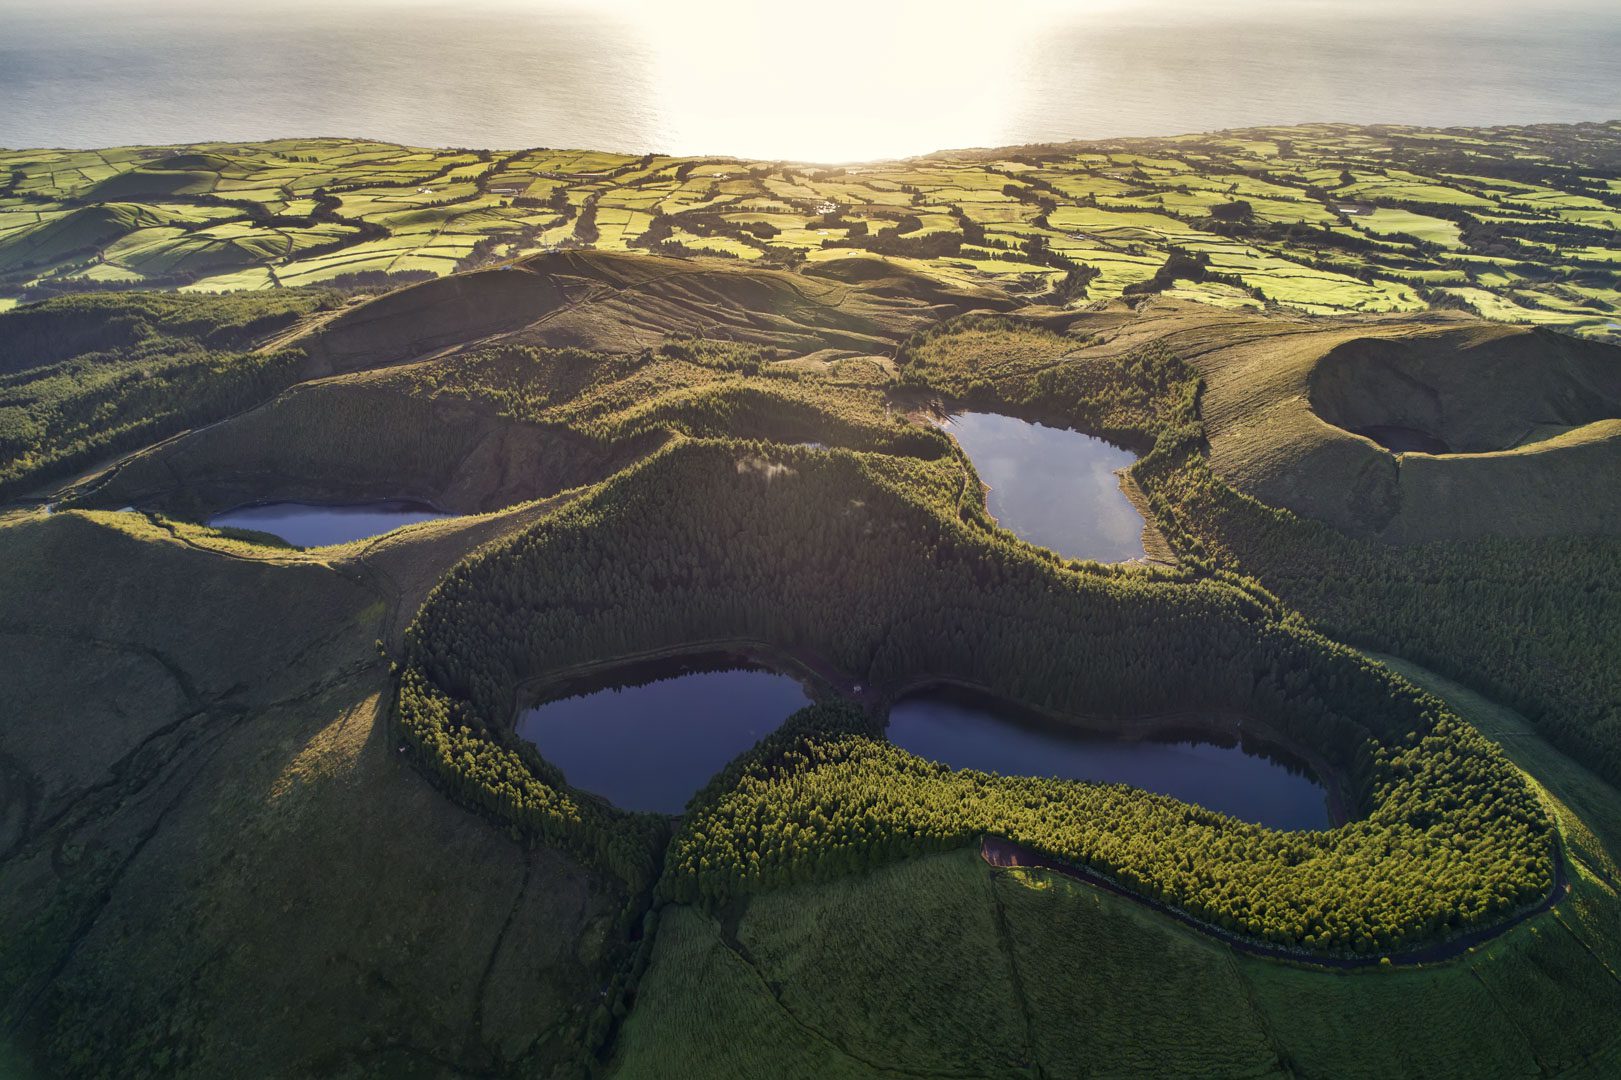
(1412, 432)
(866, 562)
(1467, 397)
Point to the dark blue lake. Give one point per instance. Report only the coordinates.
(647, 738)
(970, 731)
(310, 525)
(1052, 486)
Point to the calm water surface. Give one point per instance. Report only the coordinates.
(1053, 486)
(310, 525)
(976, 732)
(650, 740)
(832, 81)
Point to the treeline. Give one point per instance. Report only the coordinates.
(823, 797)
(1183, 265)
(997, 361)
(377, 280)
(868, 561)
(1533, 623)
(585, 223)
(91, 375)
(895, 242)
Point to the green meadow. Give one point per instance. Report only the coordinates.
(1516, 224)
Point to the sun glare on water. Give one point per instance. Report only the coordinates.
(839, 80)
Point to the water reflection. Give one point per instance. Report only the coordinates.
(971, 731)
(648, 737)
(1052, 486)
(312, 525)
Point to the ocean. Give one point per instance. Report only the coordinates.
(834, 81)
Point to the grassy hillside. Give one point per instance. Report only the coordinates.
(1527, 423)
(246, 773)
(943, 966)
(227, 830)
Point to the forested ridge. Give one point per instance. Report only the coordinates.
(824, 797)
(1535, 623)
(82, 376)
(862, 559)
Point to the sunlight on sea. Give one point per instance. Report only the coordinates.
(829, 81)
(838, 80)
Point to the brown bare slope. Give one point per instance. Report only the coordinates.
(1532, 411)
(621, 303)
(393, 423)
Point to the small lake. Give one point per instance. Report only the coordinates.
(973, 731)
(1053, 486)
(648, 737)
(312, 525)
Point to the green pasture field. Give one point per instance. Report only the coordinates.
(1385, 221)
(1502, 307)
(1402, 202)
